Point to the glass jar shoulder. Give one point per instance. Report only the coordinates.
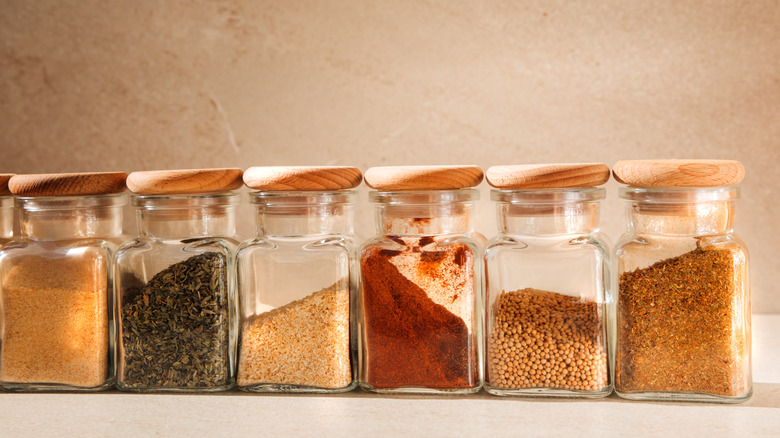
(146, 247)
(393, 244)
(81, 249)
(596, 244)
(304, 245)
(636, 250)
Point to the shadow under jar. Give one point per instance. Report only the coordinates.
(683, 299)
(295, 280)
(174, 293)
(418, 310)
(546, 277)
(55, 287)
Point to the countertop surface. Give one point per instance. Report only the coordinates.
(359, 414)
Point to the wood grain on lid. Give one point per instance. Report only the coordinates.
(423, 177)
(554, 175)
(4, 178)
(68, 184)
(184, 181)
(679, 173)
(282, 178)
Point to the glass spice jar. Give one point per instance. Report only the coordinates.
(174, 286)
(295, 280)
(420, 283)
(55, 283)
(546, 280)
(6, 210)
(683, 298)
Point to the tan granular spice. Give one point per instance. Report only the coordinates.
(56, 322)
(304, 343)
(546, 339)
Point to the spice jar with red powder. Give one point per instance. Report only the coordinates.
(546, 282)
(418, 309)
(682, 308)
(56, 281)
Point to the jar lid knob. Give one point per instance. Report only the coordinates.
(390, 178)
(551, 175)
(184, 181)
(302, 178)
(679, 173)
(68, 184)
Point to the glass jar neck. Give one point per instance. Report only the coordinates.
(548, 212)
(294, 214)
(6, 217)
(424, 213)
(680, 211)
(186, 216)
(71, 217)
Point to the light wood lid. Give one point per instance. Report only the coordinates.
(423, 177)
(184, 181)
(301, 178)
(679, 173)
(68, 184)
(4, 178)
(554, 175)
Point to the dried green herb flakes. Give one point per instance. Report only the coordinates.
(175, 329)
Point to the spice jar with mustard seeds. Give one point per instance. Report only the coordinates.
(546, 276)
(682, 308)
(419, 318)
(295, 281)
(6, 210)
(176, 307)
(56, 282)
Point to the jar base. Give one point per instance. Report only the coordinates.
(220, 388)
(419, 390)
(548, 392)
(53, 387)
(683, 396)
(294, 389)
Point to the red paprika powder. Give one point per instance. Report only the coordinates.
(412, 337)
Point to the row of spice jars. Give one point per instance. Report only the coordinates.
(416, 320)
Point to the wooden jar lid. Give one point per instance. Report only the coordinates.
(554, 175)
(68, 184)
(184, 181)
(423, 177)
(302, 178)
(679, 173)
(4, 178)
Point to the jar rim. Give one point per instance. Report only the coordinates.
(679, 195)
(44, 203)
(302, 198)
(548, 196)
(184, 201)
(423, 197)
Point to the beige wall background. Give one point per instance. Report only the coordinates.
(129, 85)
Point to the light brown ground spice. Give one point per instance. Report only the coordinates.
(681, 325)
(304, 343)
(546, 339)
(56, 322)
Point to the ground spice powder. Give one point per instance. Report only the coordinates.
(681, 326)
(411, 340)
(55, 322)
(546, 339)
(304, 343)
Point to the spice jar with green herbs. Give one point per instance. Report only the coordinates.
(419, 302)
(295, 281)
(683, 300)
(546, 280)
(56, 281)
(175, 301)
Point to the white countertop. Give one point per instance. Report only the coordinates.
(359, 413)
